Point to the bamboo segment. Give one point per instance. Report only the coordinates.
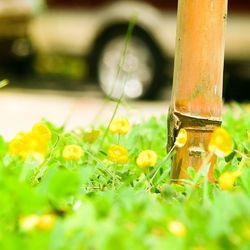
(196, 102)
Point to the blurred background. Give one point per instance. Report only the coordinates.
(72, 44)
(82, 48)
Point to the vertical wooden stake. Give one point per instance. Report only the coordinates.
(196, 102)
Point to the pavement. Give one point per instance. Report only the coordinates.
(21, 108)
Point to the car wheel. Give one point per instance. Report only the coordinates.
(132, 72)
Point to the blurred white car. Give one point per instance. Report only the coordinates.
(96, 29)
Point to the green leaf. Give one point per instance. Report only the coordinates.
(191, 172)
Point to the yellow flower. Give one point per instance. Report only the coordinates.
(119, 126)
(17, 147)
(46, 221)
(21, 136)
(36, 145)
(72, 152)
(29, 222)
(146, 158)
(41, 131)
(221, 144)
(177, 228)
(248, 135)
(91, 136)
(181, 138)
(226, 180)
(33, 221)
(118, 154)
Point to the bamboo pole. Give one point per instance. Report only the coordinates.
(196, 101)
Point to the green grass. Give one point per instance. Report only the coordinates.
(99, 204)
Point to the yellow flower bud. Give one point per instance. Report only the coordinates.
(72, 152)
(33, 221)
(118, 154)
(22, 136)
(226, 180)
(221, 144)
(16, 147)
(35, 145)
(46, 222)
(29, 222)
(119, 126)
(146, 158)
(181, 138)
(177, 228)
(41, 131)
(91, 136)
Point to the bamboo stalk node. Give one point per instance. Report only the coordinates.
(178, 120)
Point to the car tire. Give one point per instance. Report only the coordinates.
(135, 72)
